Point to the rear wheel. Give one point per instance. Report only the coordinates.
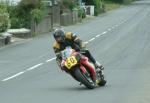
(84, 79)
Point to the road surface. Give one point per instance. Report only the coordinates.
(119, 39)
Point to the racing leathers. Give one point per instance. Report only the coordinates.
(71, 39)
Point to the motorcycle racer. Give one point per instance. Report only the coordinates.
(64, 39)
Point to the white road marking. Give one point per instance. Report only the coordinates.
(31, 68)
(91, 39)
(98, 36)
(86, 42)
(113, 27)
(122, 22)
(50, 59)
(104, 32)
(13, 76)
(20, 73)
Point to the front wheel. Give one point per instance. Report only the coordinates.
(102, 83)
(84, 79)
(102, 79)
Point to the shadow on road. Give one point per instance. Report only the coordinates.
(73, 88)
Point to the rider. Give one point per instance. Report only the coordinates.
(64, 39)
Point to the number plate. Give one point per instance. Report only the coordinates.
(70, 62)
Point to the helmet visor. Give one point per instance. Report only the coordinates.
(58, 39)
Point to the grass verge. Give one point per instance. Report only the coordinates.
(111, 5)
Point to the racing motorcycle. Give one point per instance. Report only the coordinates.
(81, 69)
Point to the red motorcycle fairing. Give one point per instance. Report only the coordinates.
(84, 62)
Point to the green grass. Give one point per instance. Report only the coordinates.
(110, 6)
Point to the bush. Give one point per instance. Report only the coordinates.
(27, 10)
(29, 4)
(127, 1)
(98, 5)
(111, 6)
(68, 5)
(4, 18)
(121, 1)
(24, 9)
(81, 12)
(37, 15)
(116, 1)
(4, 22)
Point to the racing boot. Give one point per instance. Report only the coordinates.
(98, 66)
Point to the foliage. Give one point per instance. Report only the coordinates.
(111, 6)
(3, 7)
(29, 4)
(15, 22)
(37, 15)
(127, 1)
(88, 2)
(81, 12)
(27, 10)
(24, 9)
(4, 21)
(116, 1)
(68, 5)
(4, 18)
(98, 5)
(120, 1)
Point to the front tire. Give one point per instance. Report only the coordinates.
(103, 81)
(83, 79)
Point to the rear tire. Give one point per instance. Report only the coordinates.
(83, 79)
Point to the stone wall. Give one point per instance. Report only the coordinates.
(44, 26)
(69, 18)
(2, 41)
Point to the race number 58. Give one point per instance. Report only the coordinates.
(71, 62)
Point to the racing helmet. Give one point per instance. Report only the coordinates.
(59, 35)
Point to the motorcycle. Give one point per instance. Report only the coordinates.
(81, 69)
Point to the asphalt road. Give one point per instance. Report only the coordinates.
(119, 39)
